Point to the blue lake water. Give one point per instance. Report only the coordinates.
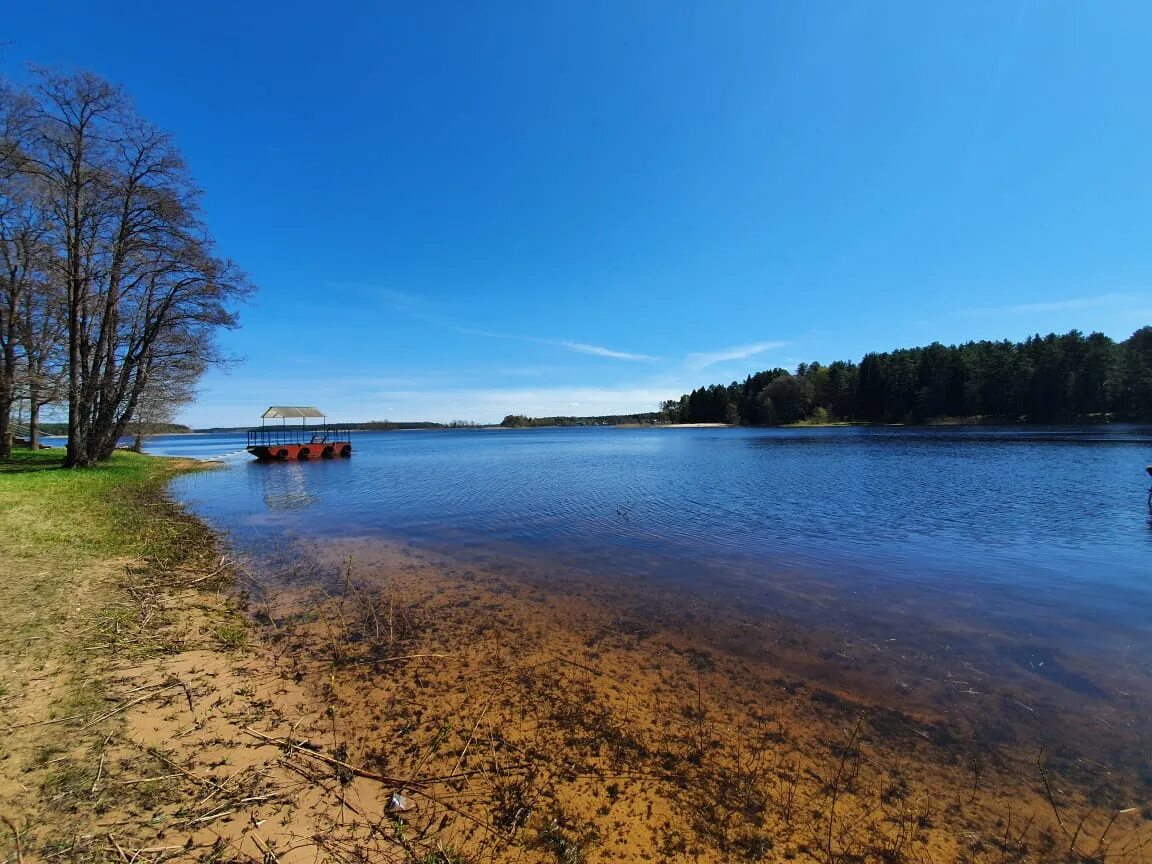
(1026, 536)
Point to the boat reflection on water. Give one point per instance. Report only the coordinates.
(283, 485)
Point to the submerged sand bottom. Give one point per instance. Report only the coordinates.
(457, 712)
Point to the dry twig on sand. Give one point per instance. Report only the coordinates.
(16, 834)
(331, 760)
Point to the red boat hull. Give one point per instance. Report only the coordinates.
(303, 452)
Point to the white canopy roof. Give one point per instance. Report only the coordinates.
(291, 412)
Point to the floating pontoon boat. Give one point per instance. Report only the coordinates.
(283, 443)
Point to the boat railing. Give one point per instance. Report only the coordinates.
(273, 436)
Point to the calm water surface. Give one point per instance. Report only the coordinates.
(1040, 533)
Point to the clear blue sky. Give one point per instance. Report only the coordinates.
(462, 210)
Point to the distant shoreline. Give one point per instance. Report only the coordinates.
(941, 422)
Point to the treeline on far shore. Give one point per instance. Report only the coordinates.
(372, 426)
(520, 421)
(139, 428)
(1044, 379)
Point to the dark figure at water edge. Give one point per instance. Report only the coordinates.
(1149, 470)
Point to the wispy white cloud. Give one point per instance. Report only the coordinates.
(475, 331)
(401, 301)
(491, 404)
(597, 350)
(704, 359)
(399, 400)
(566, 344)
(529, 371)
(417, 307)
(1099, 301)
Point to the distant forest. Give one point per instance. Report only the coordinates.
(370, 426)
(520, 421)
(145, 428)
(1045, 379)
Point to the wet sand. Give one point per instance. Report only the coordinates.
(516, 721)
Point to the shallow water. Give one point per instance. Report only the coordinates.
(1027, 542)
(974, 602)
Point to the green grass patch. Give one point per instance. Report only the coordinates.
(76, 513)
(68, 535)
(83, 701)
(88, 558)
(27, 461)
(232, 635)
(47, 754)
(67, 783)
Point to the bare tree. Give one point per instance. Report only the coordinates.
(142, 284)
(22, 235)
(15, 115)
(43, 374)
(171, 385)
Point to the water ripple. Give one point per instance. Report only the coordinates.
(1054, 514)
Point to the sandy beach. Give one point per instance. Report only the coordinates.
(400, 706)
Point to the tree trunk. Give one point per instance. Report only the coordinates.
(6, 401)
(33, 420)
(5, 431)
(77, 456)
(7, 390)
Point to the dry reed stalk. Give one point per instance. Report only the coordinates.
(47, 722)
(265, 849)
(126, 705)
(836, 786)
(372, 661)
(331, 760)
(100, 767)
(195, 778)
(155, 779)
(119, 851)
(1101, 850)
(472, 734)
(16, 835)
(221, 787)
(1056, 810)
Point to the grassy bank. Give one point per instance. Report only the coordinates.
(144, 716)
(72, 538)
(92, 563)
